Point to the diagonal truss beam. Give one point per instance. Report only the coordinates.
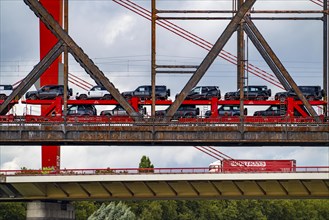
(268, 54)
(33, 76)
(82, 58)
(211, 56)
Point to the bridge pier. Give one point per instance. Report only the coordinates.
(40, 210)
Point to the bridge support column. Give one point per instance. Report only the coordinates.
(38, 210)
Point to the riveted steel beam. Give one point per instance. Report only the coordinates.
(33, 76)
(211, 56)
(270, 58)
(260, 40)
(241, 61)
(80, 56)
(325, 56)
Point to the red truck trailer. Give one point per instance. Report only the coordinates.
(235, 166)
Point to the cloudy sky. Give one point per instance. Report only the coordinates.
(118, 41)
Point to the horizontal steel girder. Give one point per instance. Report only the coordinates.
(189, 134)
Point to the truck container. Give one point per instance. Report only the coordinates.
(234, 166)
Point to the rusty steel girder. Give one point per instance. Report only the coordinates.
(169, 134)
(32, 77)
(267, 53)
(284, 77)
(82, 58)
(211, 56)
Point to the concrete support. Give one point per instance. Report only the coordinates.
(38, 210)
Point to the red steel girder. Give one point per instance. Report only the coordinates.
(214, 102)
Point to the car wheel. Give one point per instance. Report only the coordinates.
(83, 97)
(160, 115)
(188, 115)
(107, 97)
(310, 98)
(33, 97)
(282, 98)
(260, 97)
(2, 97)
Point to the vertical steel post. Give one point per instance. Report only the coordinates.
(153, 58)
(66, 56)
(325, 57)
(50, 155)
(241, 62)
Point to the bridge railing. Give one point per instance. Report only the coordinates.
(140, 171)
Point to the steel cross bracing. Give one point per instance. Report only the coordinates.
(32, 77)
(211, 56)
(260, 43)
(282, 80)
(271, 58)
(79, 55)
(197, 41)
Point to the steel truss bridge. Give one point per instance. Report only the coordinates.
(166, 183)
(226, 131)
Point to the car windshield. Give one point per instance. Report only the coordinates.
(161, 88)
(6, 87)
(195, 90)
(119, 108)
(73, 108)
(307, 89)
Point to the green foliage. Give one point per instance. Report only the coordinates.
(84, 209)
(145, 162)
(113, 211)
(154, 211)
(231, 209)
(145, 165)
(188, 209)
(12, 210)
(296, 209)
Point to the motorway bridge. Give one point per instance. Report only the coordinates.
(166, 183)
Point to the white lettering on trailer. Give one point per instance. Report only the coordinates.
(248, 163)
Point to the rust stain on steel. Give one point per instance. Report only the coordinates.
(171, 134)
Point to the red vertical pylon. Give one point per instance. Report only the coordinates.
(50, 156)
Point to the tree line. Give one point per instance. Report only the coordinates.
(317, 209)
